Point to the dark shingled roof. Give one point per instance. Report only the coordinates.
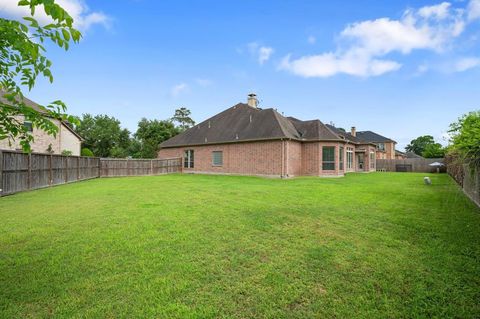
(346, 135)
(369, 136)
(245, 123)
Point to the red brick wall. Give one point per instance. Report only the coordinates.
(252, 158)
(271, 158)
(294, 159)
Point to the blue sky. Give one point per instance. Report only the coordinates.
(399, 68)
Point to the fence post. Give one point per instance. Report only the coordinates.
(151, 167)
(66, 168)
(29, 176)
(50, 170)
(78, 168)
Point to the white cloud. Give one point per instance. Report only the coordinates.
(465, 64)
(311, 39)
(82, 16)
(329, 64)
(261, 53)
(473, 10)
(364, 45)
(178, 89)
(439, 11)
(264, 54)
(203, 82)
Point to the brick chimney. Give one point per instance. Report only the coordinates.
(353, 131)
(252, 100)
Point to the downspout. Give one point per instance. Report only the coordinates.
(286, 158)
(283, 158)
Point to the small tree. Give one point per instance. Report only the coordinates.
(22, 60)
(182, 117)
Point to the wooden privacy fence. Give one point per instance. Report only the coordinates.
(420, 165)
(467, 176)
(110, 167)
(21, 171)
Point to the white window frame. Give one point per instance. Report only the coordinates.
(349, 158)
(189, 159)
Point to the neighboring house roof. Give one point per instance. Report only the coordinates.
(346, 135)
(369, 136)
(242, 122)
(39, 109)
(412, 155)
(397, 152)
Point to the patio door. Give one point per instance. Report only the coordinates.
(361, 161)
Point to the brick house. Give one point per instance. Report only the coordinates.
(247, 140)
(65, 140)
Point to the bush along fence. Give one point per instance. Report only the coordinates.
(22, 171)
(419, 165)
(466, 176)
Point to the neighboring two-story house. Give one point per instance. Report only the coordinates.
(66, 138)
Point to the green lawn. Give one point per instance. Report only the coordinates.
(379, 245)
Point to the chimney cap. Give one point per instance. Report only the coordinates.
(252, 100)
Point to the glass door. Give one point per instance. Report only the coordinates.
(361, 161)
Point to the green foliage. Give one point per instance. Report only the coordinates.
(465, 139)
(366, 246)
(435, 150)
(182, 117)
(67, 153)
(22, 60)
(151, 133)
(426, 146)
(103, 135)
(86, 152)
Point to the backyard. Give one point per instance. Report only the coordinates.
(380, 245)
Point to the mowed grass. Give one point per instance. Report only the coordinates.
(381, 245)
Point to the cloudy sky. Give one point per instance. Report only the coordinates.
(400, 68)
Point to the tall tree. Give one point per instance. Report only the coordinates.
(182, 117)
(22, 60)
(151, 133)
(419, 144)
(103, 135)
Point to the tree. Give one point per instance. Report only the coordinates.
(419, 144)
(22, 60)
(151, 133)
(103, 135)
(435, 150)
(465, 139)
(182, 117)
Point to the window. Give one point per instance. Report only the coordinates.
(28, 126)
(340, 158)
(217, 158)
(381, 146)
(328, 158)
(349, 158)
(188, 159)
(372, 160)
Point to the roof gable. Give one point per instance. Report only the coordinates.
(372, 137)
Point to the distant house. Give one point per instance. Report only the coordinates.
(413, 155)
(400, 155)
(65, 140)
(245, 139)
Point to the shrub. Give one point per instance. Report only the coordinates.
(86, 152)
(67, 153)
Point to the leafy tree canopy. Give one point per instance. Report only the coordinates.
(182, 117)
(466, 137)
(103, 135)
(22, 60)
(151, 133)
(419, 144)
